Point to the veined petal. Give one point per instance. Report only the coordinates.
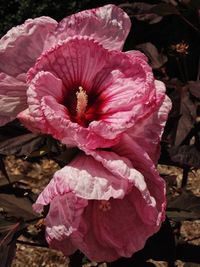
(102, 176)
(76, 218)
(75, 61)
(136, 54)
(63, 220)
(118, 232)
(22, 45)
(109, 25)
(148, 131)
(28, 121)
(12, 98)
(120, 91)
(44, 84)
(127, 147)
(126, 89)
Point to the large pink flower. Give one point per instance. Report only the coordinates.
(71, 80)
(82, 89)
(108, 202)
(104, 204)
(23, 45)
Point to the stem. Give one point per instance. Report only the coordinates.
(180, 69)
(189, 23)
(185, 67)
(34, 219)
(186, 170)
(3, 169)
(76, 259)
(198, 73)
(31, 244)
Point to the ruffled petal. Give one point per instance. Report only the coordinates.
(22, 45)
(44, 84)
(148, 131)
(101, 176)
(127, 147)
(120, 88)
(109, 25)
(126, 93)
(78, 192)
(118, 232)
(136, 54)
(12, 98)
(76, 63)
(62, 220)
(29, 121)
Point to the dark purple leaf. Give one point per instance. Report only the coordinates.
(186, 155)
(141, 11)
(12, 129)
(66, 156)
(9, 232)
(157, 60)
(164, 9)
(3, 169)
(186, 206)
(194, 88)
(22, 145)
(152, 13)
(18, 207)
(187, 120)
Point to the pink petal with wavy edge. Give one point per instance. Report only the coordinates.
(136, 54)
(22, 45)
(127, 147)
(148, 132)
(109, 25)
(138, 215)
(12, 98)
(102, 176)
(28, 121)
(76, 62)
(120, 89)
(118, 232)
(128, 92)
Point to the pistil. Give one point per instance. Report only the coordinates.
(82, 101)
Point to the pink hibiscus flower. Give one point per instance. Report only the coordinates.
(85, 92)
(82, 89)
(104, 204)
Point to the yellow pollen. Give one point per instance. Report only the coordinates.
(82, 101)
(104, 205)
